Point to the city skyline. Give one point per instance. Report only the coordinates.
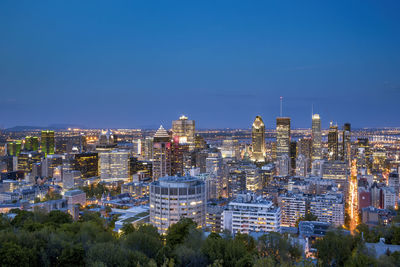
(115, 66)
(212, 133)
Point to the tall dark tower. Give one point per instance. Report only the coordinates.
(293, 156)
(333, 143)
(346, 141)
(258, 140)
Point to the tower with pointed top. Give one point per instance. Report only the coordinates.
(161, 154)
(258, 140)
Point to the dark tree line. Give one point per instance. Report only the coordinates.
(53, 239)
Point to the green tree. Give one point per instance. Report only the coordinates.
(177, 232)
(13, 255)
(72, 255)
(335, 248)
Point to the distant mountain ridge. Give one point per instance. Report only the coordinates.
(50, 127)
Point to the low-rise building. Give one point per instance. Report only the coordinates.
(74, 197)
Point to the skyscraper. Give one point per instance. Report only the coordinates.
(293, 156)
(180, 157)
(184, 130)
(161, 154)
(346, 150)
(333, 142)
(258, 140)
(316, 138)
(282, 137)
(47, 142)
(14, 148)
(31, 143)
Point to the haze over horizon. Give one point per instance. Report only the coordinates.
(135, 64)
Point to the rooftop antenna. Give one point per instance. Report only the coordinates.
(281, 104)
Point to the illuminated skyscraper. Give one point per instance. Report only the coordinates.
(184, 129)
(282, 137)
(258, 140)
(333, 142)
(180, 158)
(161, 154)
(31, 143)
(13, 148)
(316, 138)
(47, 142)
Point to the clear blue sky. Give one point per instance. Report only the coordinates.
(143, 63)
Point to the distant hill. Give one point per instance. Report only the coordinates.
(50, 127)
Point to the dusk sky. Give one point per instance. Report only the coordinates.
(132, 64)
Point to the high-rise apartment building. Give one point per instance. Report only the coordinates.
(47, 142)
(251, 213)
(161, 154)
(176, 197)
(328, 208)
(293, 206)
(258, 140)
(316, 136)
